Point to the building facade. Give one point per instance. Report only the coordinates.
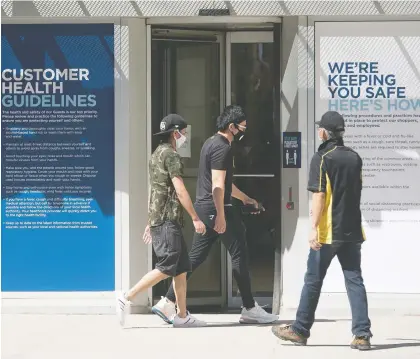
(286, 63)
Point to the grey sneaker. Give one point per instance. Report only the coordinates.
(188, 322)
(257, 315)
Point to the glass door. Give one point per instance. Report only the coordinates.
(188, 79)
(250, 83)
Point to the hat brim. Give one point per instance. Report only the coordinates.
(164, 132)
(328, 129)
(178, 128)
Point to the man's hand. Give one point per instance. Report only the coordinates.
(199, 226)
(313, 240)
(147, 237)
(253, 202)
(220, 224)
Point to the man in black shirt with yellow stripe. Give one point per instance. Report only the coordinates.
(335, 179)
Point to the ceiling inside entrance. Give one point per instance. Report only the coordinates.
(192, 8)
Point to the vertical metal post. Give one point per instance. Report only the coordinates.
(222, 99)
(277, 290)
(149, 134)
(228, 78)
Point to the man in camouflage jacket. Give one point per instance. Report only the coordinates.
(168, 197)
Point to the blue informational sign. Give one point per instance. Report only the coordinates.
(57, 157)
(292, 150)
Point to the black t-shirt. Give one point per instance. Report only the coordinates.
(216, 154)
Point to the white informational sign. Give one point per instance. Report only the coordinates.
(370, 73)
(185, 150)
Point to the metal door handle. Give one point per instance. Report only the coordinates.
(290, 205)
(267, 175)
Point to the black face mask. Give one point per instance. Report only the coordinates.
(239, 135)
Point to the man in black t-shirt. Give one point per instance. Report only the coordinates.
(213, 206)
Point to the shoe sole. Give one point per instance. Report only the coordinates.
(252, 321)
(298, 344)
(161, 315)
(294, 342)
(360, 347)
(190, 326)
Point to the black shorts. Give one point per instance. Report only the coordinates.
(170, 249)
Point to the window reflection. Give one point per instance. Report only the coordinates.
(257, 153)
(253, 89)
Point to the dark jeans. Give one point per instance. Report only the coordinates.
(349, 256)
(235, 242)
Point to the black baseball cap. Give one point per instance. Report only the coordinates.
(331, 121)
(171, 123)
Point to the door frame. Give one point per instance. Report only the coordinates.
(179, 35)
(232, 38)
(225, 39)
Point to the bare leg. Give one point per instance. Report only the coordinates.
(149, 280)
(180, 288)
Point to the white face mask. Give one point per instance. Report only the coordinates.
(181, 140)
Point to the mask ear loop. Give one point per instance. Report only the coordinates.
(320, 137)
(239, 130)
(231, 132)
(176, 131)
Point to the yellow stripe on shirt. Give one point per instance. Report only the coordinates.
(320, 167)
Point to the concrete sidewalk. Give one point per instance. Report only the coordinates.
(145, 336)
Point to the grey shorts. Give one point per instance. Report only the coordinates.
(170, 249)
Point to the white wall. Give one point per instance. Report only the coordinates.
(293, 116)
(382, 285)
(135, 202)
(390, 229)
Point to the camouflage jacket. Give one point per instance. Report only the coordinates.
(164, 204)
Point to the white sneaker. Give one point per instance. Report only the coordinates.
(256, 315)
(165, 309)
(188, 322)
(121, 306)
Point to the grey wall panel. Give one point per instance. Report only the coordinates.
(177, 8)
(191, 8)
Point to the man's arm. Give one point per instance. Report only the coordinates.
(238, 194)
(318, 202)
(316, 185)
(220, 160)
(218, 190)
(175, 169)
(184, 197)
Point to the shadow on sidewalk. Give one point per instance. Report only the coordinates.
(237, 324)
(404, 339)
(374, 346)
(394, 346)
